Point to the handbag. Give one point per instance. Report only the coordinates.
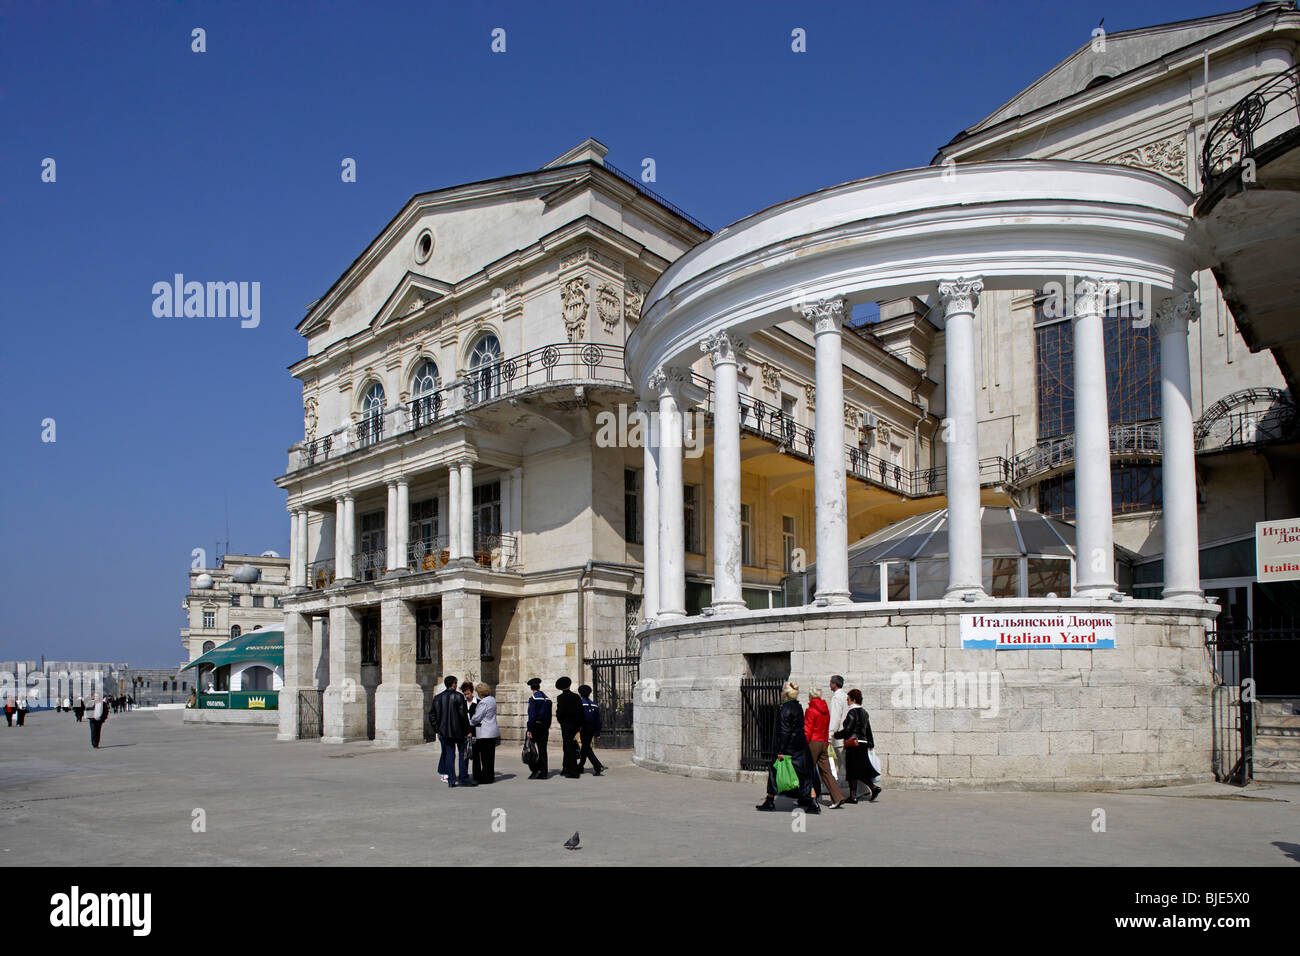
(787, 778)
(530, 753)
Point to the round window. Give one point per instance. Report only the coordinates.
(423, 245)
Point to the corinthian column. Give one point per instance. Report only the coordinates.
(959, 298)
(1095, 545)
(724, 351)
(1177, 449)
(831, 494)
(650, 511)
(672, 533)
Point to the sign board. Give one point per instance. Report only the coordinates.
(1037, 631)
(254, 700)
(1277, 550)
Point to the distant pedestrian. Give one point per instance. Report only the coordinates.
(568, 711)
(67, 704)
(98, 715)
(839, 706)
(487, 734)
(590, 730)
(450, 719)
(80, 708)
(22, 710)
(9, 711)
(789, 741)
(858, 742)
(538, 727)
(816, 720)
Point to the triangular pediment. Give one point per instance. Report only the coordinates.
(414, 295)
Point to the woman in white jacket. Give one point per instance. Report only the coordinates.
(487, 734)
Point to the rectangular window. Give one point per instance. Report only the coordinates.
(424, 533)
(370, 638)
(788, 543)
(372, 559)
(428, 631)
(746, 536)
(259, 600)
(209, 618)
(487, 511)
(690, 495)
(631, 506)
(234, 600)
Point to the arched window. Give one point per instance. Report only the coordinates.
(371, 427)
(426, 379)
(427, 400)
(208, 645)
(234, 631)
(484, 378)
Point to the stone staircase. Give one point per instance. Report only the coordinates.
(1277, 740)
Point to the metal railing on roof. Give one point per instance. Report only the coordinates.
(642, 187)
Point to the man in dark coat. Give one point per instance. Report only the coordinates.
(789, 740)
(450, 719)
(98, 714)
(568, 711)
(539, 727)
(590, 730)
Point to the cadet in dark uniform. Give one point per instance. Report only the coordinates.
(590, 729)
(539, 726)
(568, 711)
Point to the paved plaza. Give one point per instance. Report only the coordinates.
(266, 802)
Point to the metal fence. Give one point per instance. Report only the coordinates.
(613, 682)
(311, 719)
(760, 701)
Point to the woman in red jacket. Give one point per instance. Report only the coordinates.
(816, 723)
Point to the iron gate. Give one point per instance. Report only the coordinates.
(311, 723)
(760, 700)
(613, 682)
(1249, 663)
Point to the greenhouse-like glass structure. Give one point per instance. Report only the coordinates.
(1025, 554)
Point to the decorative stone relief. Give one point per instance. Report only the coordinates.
(415, 305)
(883, 433)
(574, 297)
(810, 396)
(309, 419)
(573, 258)
(852, 417)
(771, 377)
(1175, 313)
(826, 315)
(723, 347)
(607, 307)
(1167, 157)
(960, 295)
(633, 299)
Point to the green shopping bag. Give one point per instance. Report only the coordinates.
(786, 777)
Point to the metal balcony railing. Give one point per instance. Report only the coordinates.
(564, 364)
(320, 574)
(368, 565)
(1262, 115)
(428, 554)
(1252, 427)
(1138, 440)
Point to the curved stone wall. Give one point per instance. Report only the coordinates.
(1135, 715)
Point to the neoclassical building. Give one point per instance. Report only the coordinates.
(242, 593)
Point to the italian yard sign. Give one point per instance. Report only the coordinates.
(1277, 550)
(1037, 632)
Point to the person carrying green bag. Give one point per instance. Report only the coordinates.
(792, 756)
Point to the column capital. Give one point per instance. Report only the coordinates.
(667, 378)
(1091, 293)
(1176, 312)
(402, 480)
(724, 347)
(345, 496)
(825, 315)
(959, 296)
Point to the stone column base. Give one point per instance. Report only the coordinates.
(288, 714)
(345, 714)
(399, 715)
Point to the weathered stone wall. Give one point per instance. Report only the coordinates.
(1137, 715)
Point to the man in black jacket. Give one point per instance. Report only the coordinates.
(568, 711)
(450, 719)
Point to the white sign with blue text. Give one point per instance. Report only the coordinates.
(1037, 632)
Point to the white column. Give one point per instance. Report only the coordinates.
(672, 534)
(1094, 535)
(467, 508)
(300, 551)
(831, 492)
(724, 351)
(390, 528)
(344, 536)
(295, 572)
(650, 512)
(965, 543)
(403, 522)
(1177, 449)
(453, 511)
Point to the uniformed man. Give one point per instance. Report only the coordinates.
(568, 711)
(590, 730)
(539, 726)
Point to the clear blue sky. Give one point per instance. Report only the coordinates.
(225, 166)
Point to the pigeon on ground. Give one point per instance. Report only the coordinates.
(572, 842)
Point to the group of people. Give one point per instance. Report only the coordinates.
(116, 704)
(810, 738)
(465, 721)
(579, 720)
(15, 711)
(99, 708)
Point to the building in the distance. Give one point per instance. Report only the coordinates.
(151, 686)
(244, 592)
(43, 681)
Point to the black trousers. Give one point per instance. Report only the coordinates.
(484, 763)
(96, 728)
(22, 715)
(587, 733)
(570, 732)
(80, 712)
(539, 737)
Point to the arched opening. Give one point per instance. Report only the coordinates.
(483, 380)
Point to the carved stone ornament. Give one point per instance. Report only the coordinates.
(1176, 312)
(574, 297)
(771, 377)
(309, 419)
(960, 295)
(1091, 293)
(607, 307)
(1167, 157)
(852, 417)
(883, 433)
(573, 258)
(666, 376)
(723, 347)
(826, 315)
(810, 396)
(415, 305)
(633, 299)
